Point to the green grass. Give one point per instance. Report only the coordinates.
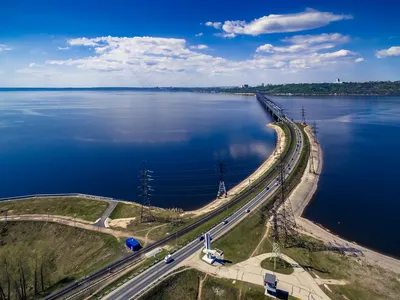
(185, 286)
(249, 232)
(67, 253)
(82, 208)
(132, 210)
(182, 286)
(281, 266)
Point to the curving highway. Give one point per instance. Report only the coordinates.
(138, 285)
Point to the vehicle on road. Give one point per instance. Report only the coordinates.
(267, 188)
(224, 222)
(168, 258)
(201, 237)
(248, 210)
(276, 183)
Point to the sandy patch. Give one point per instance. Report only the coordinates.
(123, 223)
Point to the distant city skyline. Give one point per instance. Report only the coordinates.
(178, 43)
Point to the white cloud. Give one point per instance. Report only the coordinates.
(392, 51)
(63, 48)
(335, 38)
(306, 43)
(199, 34)
(4, 48)
(31, 65)
(216, 25)
(310, 19)
(268, 48)
(152, 61)
(199, 47)
(358, 60)
(225, 35)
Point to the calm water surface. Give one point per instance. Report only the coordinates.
(357, 195)
(94, 142)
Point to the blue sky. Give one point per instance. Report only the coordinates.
(196, 43)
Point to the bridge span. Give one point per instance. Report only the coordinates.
(270, 106)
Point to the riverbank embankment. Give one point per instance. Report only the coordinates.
(303, 194)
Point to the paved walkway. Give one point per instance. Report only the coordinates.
(103, 221)
(299, 284)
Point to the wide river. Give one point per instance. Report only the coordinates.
(95, 142)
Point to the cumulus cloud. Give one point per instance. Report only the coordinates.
(216, 25)
(303, 51)
(335, 38)
(392, 51)
(4, 48)
(306, 43)
(358, 60)
(199, 34)
(199, 47)
(151, 61)
(63, 48)
(274, 23)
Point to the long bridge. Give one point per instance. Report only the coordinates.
(271, 106)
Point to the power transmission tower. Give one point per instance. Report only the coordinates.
(222, 189)
(303, 115)
(284, 220)
(145, 213)
(315, 131)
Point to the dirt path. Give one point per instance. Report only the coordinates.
(280, 145)
(262, 239)
(79, 223)
(146, 238)
(201, 287)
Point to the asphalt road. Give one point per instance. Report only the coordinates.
(111, 206)
(135, 287)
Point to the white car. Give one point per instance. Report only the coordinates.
(168, 259)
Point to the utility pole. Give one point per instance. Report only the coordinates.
(303, 115)
(145, 188)
(222, 189)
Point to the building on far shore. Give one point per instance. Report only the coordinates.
(243, 86)
(338, 80)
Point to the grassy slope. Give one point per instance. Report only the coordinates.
(68, 253)
(83, 208)
(185, 286)
(364, 281)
